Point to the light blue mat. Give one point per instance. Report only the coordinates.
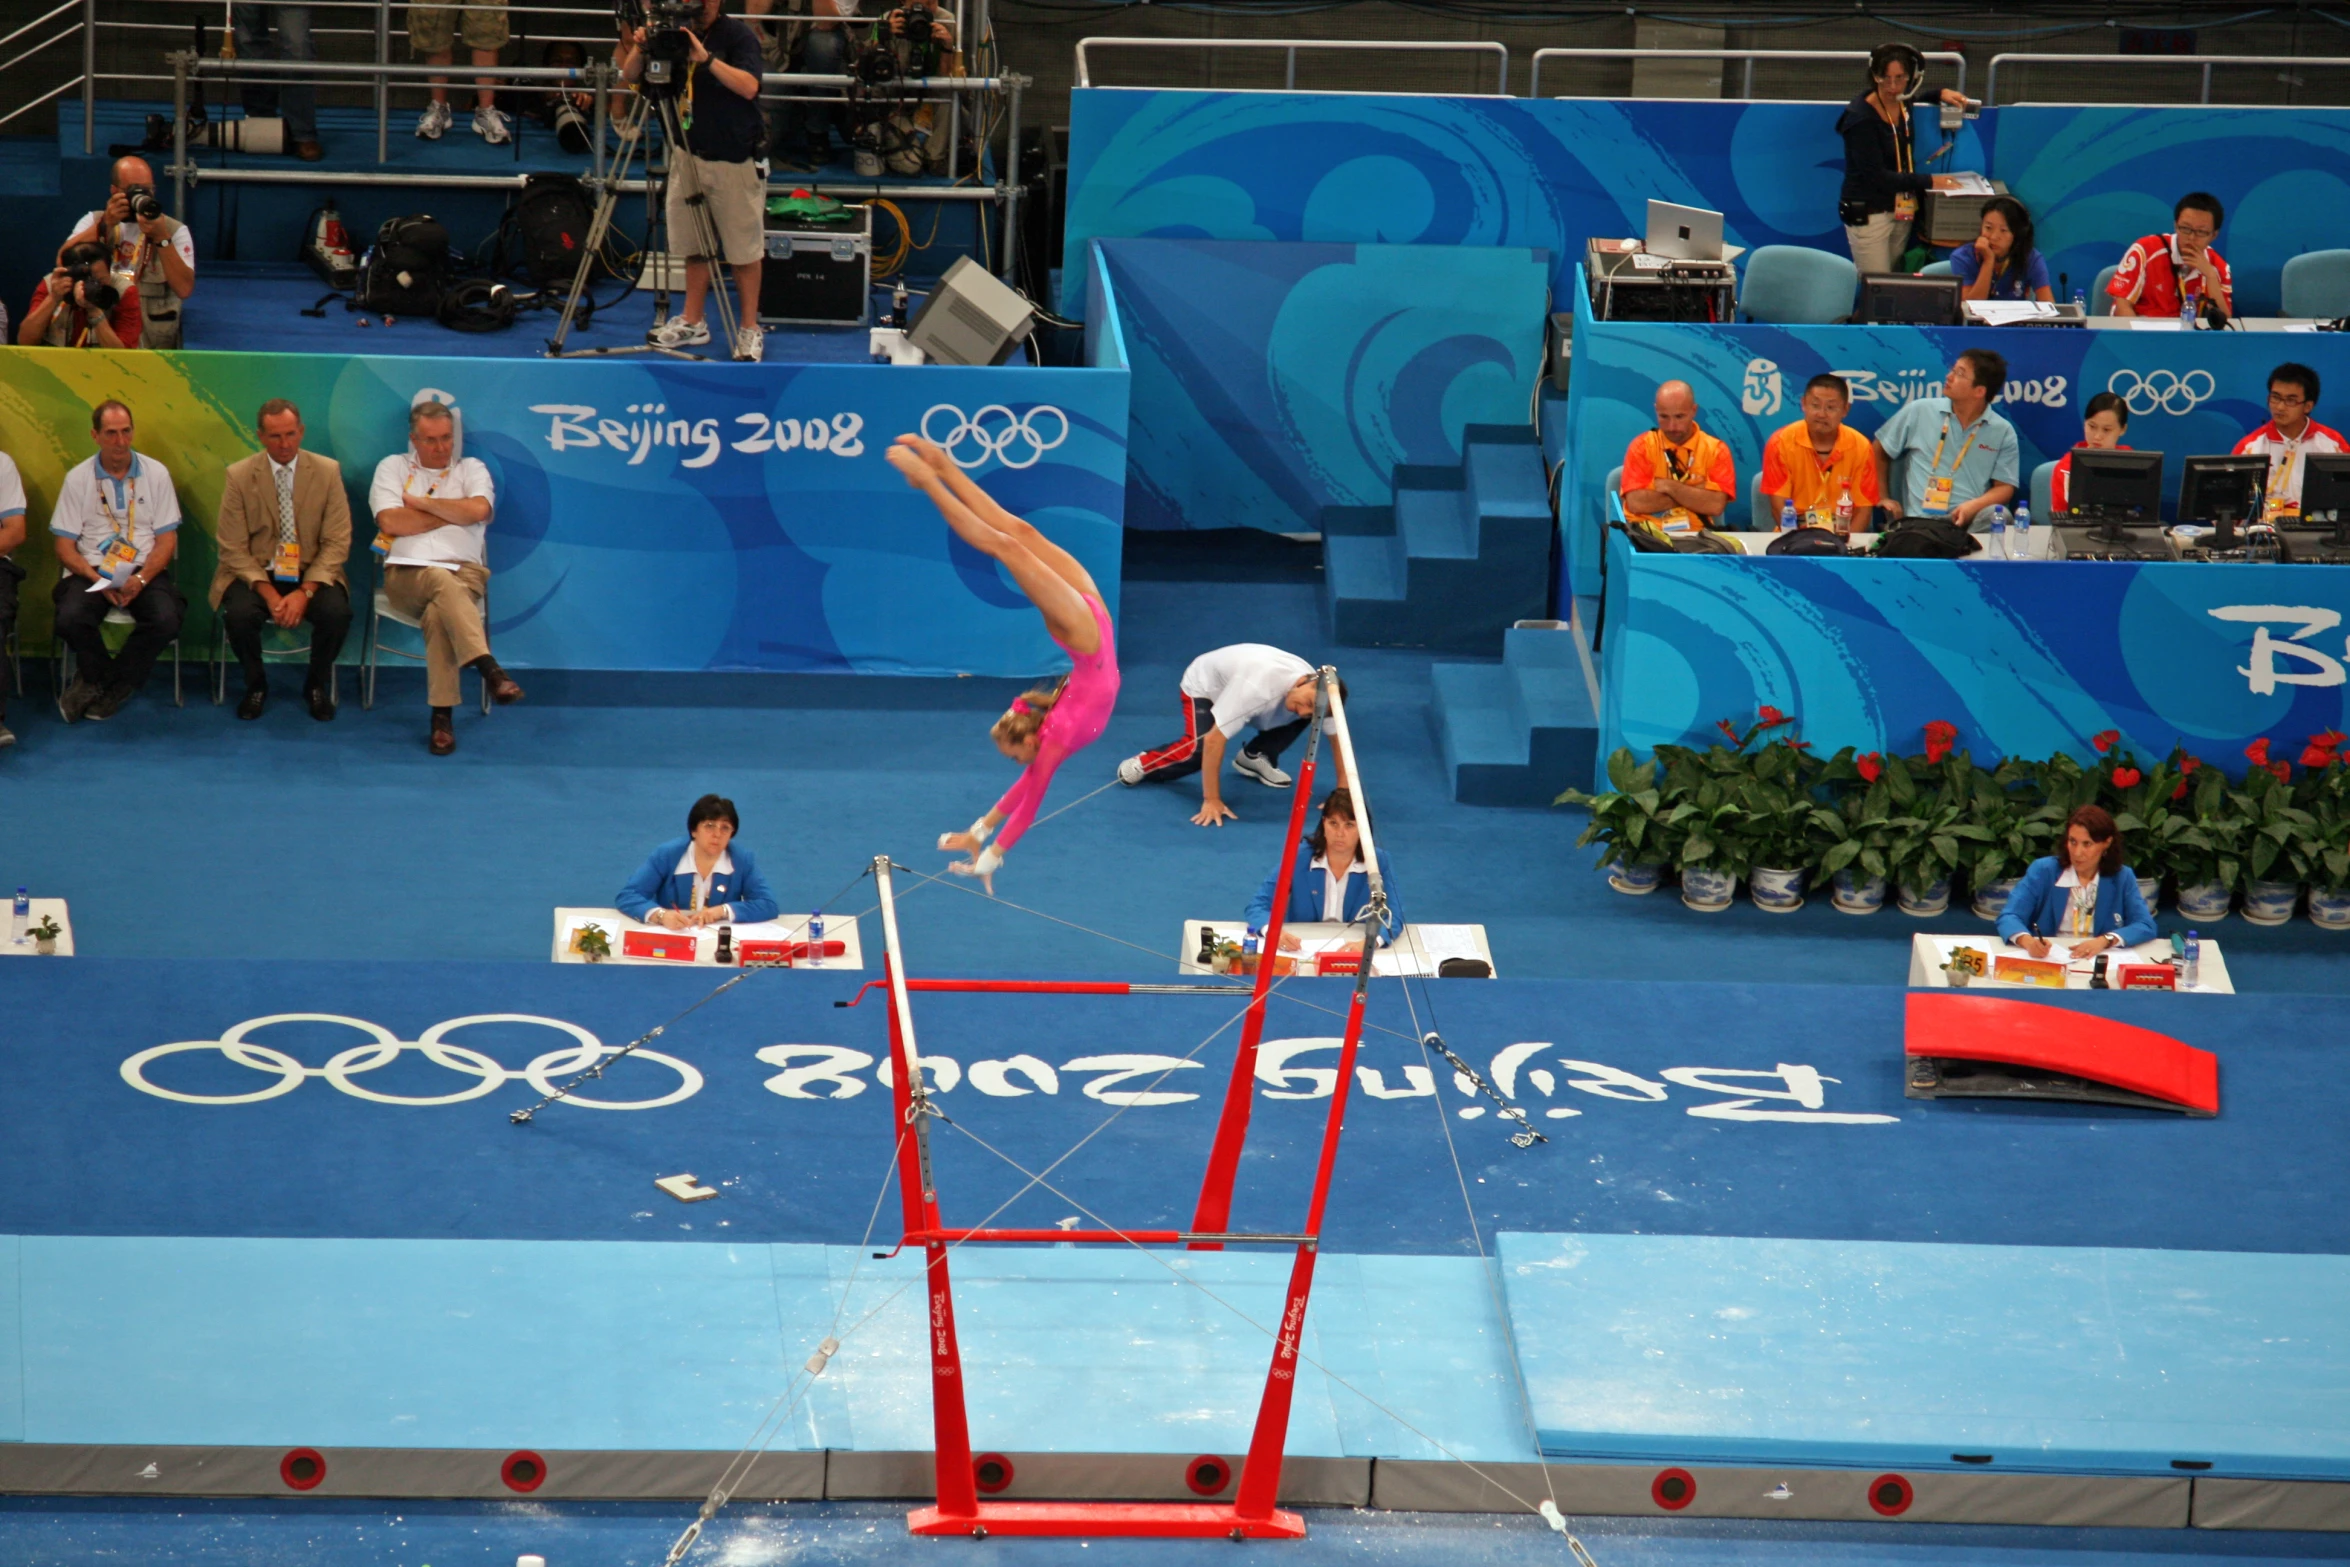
(684, 1346)
(1700, 1349)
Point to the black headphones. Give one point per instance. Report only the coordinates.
(1885, 54)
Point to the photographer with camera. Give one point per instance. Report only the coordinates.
(80, 305)
(712, 73)
(156, 253)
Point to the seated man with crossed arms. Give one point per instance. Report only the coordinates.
(1678, 480)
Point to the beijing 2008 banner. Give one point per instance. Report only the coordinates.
(651, 515)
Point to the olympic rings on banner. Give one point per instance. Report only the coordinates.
(1012, 439)
(384, 1048)
(2164, 389)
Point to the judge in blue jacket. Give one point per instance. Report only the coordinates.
(2086, 897)
(1329, 880)
(700, 879)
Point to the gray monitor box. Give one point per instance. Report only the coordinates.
(971, 318)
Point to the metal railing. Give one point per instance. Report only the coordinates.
(1749, 56)
(2161, 61)
(1290, 46)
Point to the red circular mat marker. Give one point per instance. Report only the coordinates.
(1207, 1475)
(523, 1471)
(302, 1469)
(1673, 1489)
(991, 1472)
(1890, 1496)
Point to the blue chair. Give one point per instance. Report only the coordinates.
(2100, 302)
(1758, 515)
(2043, 490)
(1937, 269)
(1792, 285)
(2317, 285)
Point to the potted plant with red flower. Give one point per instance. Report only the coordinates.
(2141, 800)
(1629, 821)
(2003, 802)
(2278, 838)
(1854, 835)
(2208, 855)
(2324, 793)
(1930, 831)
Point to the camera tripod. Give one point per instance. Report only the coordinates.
(704, 238)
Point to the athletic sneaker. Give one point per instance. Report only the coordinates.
(435, 119)
(678, 332)
(750, 344)
(1261, 769)
(1130, 770)
(491, 126)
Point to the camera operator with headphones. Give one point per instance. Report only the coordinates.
(718, 109)
(153, 255)
(1882, 184)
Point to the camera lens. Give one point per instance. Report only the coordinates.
(144, 206)
(99, 294)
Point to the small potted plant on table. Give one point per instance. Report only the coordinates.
(45, 936)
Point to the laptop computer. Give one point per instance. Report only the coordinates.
(1684, 233)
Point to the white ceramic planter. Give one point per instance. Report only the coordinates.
(1635, 879)
(1991, 898)
(1925, 902)
(2330, 909)
(1775, 892)
(1706, 891)
(2206, 902)
(1855, 895)
(2270, 902)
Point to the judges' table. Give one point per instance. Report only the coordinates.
(1928, 954)
(1416, 949)
(791, 927)
(43, 908)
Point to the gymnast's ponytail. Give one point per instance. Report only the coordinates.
(1024, 717)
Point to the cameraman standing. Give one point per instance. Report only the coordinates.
(718, 107)
(152, 253)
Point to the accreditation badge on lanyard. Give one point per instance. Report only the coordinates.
(286, 564)
(1936, 501)
(122, 550)
(1905, 202)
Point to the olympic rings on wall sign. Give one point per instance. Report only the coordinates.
(995, 431)
(2164, 389)
(384, 1048)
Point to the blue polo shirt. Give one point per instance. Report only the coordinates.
(2008, 285)
(1928, 435)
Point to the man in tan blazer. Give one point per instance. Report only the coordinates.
(285, 532)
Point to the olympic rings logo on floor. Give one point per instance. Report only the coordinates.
(2164, 389)
(384, 1048)
(995, 431)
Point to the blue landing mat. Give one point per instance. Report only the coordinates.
(1714, 1350)
(1672, 1109)
(570, 1346)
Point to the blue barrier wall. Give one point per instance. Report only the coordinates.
(2026, 658)
(1273, 383)
(2190, 394)
(1551, 173)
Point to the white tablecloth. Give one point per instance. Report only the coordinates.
(790, 927)
(1928, 953)
(1417, 950)
(53, 908)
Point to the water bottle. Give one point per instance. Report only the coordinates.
(816, 940)
(2081, 300)
(1998, 549)
(2191, 964)
(1844, 513)
(2023, 533)
(1787, 515)
(1248, 951)
(2187, 306)
(21, 919)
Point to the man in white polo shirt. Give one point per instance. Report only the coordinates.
(11, 535)
(116, 528)
(433, 509)
(1224, 692)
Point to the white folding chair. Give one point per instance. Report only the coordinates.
(280, 653)
(381, 610)
(115, 617)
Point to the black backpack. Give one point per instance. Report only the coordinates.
(1927, 538)
(551, 221)
(1807, 541)
(406, 271)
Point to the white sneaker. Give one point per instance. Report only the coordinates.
(491, 125)
(750, 344)
(1262, 770)
(1130, 770)
(678, 332)
(434, 120)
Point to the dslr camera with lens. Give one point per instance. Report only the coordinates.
(921, 41)
(89, 265)
(144, 205)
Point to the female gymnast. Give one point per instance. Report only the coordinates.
(1043, 728)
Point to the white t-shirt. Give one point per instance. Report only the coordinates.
(127, 237)
(452, 544)
(93, 507)
(11, 488)
(1245, 684)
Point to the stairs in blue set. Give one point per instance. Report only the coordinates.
(1464, 552)
(1518, 732)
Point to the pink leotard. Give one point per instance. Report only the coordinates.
(1076, 721)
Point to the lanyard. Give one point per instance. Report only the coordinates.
(1934, 468)
(2280, 474)
(1904, 153)
(431, 490)
(124, 526)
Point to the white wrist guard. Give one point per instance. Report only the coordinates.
(989, 862)
(980, 831)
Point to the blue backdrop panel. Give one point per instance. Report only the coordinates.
(2027, 659)
(1661, 1119)
(2097, 178)
(1272, 382)
(1546, 174)
(2190, 394)
(1706, 1349)
(659, 515)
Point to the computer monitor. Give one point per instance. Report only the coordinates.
(2114, 490)
(1684, 233)
(1898, 299)
(2325, 498)
(2223, 491)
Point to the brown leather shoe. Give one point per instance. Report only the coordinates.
(503, 690)
(444, 736)
(309, 152)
